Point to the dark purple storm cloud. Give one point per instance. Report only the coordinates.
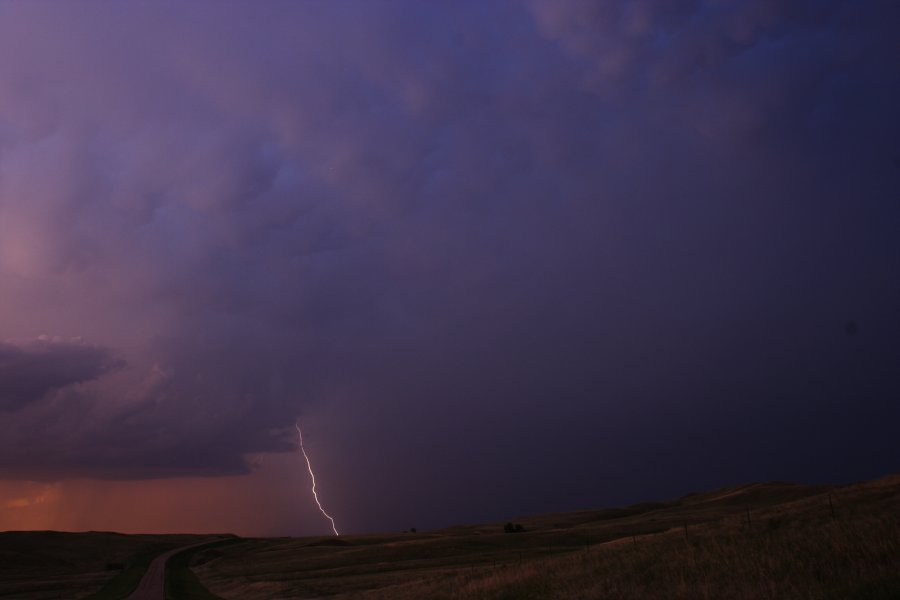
(612, 246)
(30, 371)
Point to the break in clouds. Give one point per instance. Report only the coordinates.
(549, 216)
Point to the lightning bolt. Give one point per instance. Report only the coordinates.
(313, 477)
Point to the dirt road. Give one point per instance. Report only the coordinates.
(153, 584)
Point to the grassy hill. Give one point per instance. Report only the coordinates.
(764, 540)
(45, 565)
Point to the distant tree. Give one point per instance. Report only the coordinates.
(513, 528)
(412, 529)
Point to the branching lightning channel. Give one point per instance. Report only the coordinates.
(313, 477)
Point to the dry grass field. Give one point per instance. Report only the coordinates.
(768, 540)
(45, 565)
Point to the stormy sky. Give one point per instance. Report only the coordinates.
(498, 257)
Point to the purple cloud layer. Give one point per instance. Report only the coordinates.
(29, 372)
(627, 228)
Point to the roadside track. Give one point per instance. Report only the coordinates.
(153, 583)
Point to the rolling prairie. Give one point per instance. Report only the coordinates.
(765, 540)
(762, 540)
(47, 565)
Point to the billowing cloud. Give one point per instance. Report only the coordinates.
(569, 221)
(28, 372)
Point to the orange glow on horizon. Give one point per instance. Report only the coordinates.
(270, 501)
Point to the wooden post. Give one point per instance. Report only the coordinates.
(634, 540)
(685, 530)
(748, 517)
(831, 505)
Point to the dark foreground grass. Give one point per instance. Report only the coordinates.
(759, 541)
(838, 560)
(123, 584)
(49, 565)
(181, 583)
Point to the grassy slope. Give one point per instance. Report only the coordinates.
(181, 583)
(127, 580)
(38, 565)
(699, 546)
